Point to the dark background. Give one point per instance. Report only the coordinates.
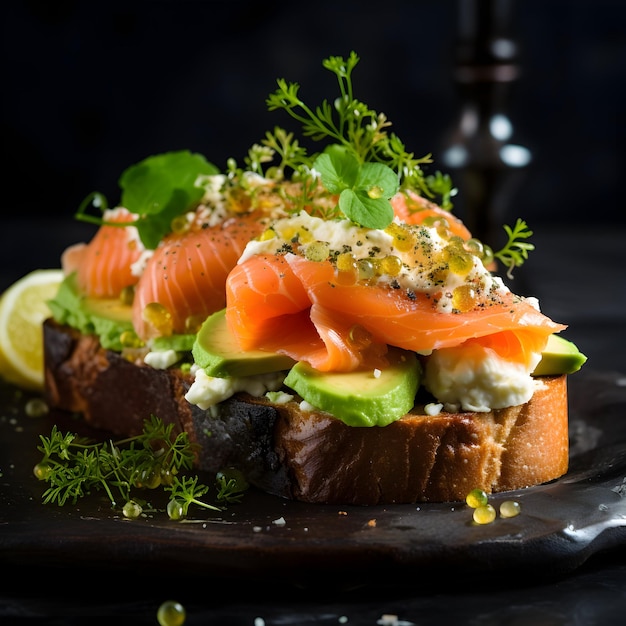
(92, 87)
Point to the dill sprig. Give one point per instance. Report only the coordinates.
(362, 164)
(75, 467)
(515, 251)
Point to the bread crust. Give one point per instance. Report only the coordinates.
(312, 456)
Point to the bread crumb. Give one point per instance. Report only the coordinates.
(343, 513)
(372, 523)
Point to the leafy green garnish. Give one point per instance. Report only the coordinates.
(364, 189)
(364, 163)
(157, 189)
(75, 466)
(516, 250)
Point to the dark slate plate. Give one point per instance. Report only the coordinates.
(562, 523)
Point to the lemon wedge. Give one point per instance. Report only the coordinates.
(23, 308)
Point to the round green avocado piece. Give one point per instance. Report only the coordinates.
(365, 397)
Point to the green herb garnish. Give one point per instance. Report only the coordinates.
(515, 251)
(363, 164)
(157, 189)
(75, 467)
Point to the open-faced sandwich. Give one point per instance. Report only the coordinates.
(320, 321)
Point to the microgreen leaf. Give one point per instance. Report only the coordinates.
(364, 189)
(157, 189)
(366, 211)
(160, 188)
(338, 169)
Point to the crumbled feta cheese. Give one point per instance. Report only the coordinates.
(279, 397)
(207, 391)
(433, 408)
(161, 359)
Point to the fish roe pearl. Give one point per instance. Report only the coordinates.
(130, 339)
(459, 260)
(36, 407)
(510, 508)
(375, 192)
(347, 271)
(390, 265)
(346, 262)
(484, 514)
(442, 229)
(464, 298)
(179, 225)
(475, 246)
(317, 251)
(359, 337)
(159, 318)
(476, 498)
(366, 268)
(403, 239)
(193, 323)
(127, 295)
(171, 613)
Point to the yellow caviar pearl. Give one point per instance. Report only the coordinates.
(464, 298)
(347, 272)
(476, 498)
(459, 260)
(359, 337)
(366, 269)
(193, 323)
(375, 192)
(484, 514)
(403, 239)
(317, 251)
(179, 224)
(510, 508)
(129, 339)
(475, 246)
(346, 262)
(127, 295)
(159, 318)
(390, 265)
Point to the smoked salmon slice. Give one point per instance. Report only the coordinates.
(411, 208)
(294, 306)
(104, 265)
(187, 272)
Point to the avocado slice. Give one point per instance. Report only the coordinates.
(560, 356)
(217, 352)
(112, 309)
(361, 398)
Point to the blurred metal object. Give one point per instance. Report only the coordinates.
(480, 152)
